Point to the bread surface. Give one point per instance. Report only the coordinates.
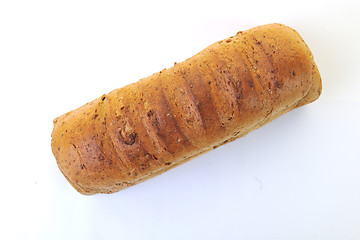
(227, 90)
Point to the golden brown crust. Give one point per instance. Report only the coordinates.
(222, 93)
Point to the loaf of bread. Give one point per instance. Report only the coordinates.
(227, 90)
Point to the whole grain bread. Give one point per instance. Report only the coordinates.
(227, 90)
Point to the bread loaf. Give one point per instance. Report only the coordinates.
(227, 90)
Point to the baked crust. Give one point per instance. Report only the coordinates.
(227, 90)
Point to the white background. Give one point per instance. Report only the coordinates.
(296, 178)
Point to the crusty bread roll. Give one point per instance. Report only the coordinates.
(222, 93)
